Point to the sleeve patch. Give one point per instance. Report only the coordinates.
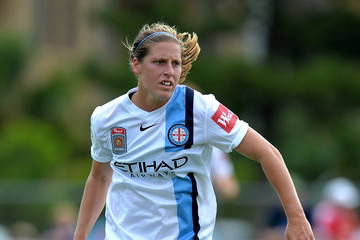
(224, 118)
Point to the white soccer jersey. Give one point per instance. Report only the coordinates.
(161, 187)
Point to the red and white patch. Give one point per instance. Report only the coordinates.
(118, 130)
(118, 139)
(225, 118)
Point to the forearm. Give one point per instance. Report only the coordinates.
(92, 204)
(259, 149)
(278, 175)
(255, 147)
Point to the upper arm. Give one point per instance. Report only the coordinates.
(255, 146)
(101, 171)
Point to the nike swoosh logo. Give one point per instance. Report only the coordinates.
(145, 128)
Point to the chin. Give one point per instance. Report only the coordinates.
(164, 98)
(165, 95)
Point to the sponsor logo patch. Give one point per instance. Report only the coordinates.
(178, 134)
(118, 140)
(225, 118)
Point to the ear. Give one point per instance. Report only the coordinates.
(136, 66)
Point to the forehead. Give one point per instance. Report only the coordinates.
(165, 49)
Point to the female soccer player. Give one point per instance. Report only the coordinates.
(151, 150)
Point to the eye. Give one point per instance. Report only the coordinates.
(159, 62)
(176, 63)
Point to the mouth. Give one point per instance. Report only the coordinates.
(166, 83)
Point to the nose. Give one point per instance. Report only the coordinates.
(169, 69)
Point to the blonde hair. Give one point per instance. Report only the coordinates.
(189, 45)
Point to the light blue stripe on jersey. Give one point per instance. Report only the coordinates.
(175, 114)
(185, 194)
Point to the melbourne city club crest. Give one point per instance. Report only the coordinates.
(178, 134)
(118, 140)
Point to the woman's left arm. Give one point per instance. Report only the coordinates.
(257, 148)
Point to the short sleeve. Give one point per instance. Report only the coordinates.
(99, 148)
(223, 127)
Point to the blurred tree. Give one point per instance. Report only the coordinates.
(323, 31)
(304, 98)
(293, 99)
(13, 59)
(30, 149)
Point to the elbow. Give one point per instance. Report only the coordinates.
(276, 152)
(272, 154)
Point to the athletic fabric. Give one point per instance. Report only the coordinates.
(161, 187)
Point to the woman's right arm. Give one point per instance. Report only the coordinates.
(94, 198)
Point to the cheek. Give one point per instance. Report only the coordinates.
(178, 72)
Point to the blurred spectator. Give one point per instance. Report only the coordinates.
(227, 189)
(275, 225)
(223, 177)
(63, 222)
(23, 230)
(4, 233)
(275, 218)
(336, 217)
(98, 231)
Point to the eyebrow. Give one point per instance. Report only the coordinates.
(165, 58)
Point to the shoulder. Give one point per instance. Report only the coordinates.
(107, 111)
(206, 103)
(203, 105)
(200, 99)
(108, 107)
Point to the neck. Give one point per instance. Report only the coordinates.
(148, 105)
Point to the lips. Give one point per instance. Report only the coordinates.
(166, 83)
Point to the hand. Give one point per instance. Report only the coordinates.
(299, 230)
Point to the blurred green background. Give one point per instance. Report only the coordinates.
(288, 68)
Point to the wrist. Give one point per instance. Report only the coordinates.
(296, 216)
(79, 236)
(294, 212)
